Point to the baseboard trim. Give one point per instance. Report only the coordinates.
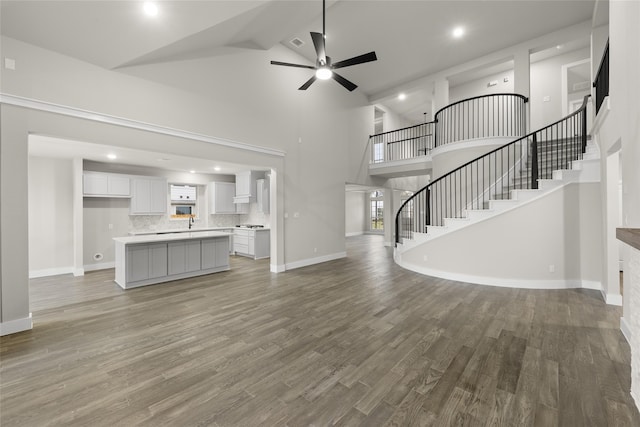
(626, 330)
(45, 272)
(277, 268)
(500, 281)
(635, 400)
(317, 260)
(78, 272)
(355, 233)
(613, 299)
(17, 325)
(101, 266)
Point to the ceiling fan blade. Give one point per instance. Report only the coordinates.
(307, 83)
(344, 82)
(367, 57)
(288, 64)
(318, 43)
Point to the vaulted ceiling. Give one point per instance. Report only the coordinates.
(411, 38)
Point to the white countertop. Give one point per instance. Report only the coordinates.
(178, 230)
(155, 238)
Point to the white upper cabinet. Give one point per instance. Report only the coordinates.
(221, 197)
(148, 196)
(98, 184)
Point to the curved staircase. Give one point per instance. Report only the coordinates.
(539, 171)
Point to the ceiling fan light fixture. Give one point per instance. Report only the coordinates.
(323, 73)
(150, 8)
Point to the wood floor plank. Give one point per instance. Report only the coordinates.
(354, 341)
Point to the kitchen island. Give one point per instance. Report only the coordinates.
(149, 259)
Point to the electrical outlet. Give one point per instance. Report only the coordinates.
(110, 226)
(425, 258)
(296, 214)
(552, 268)
(315, 250)
(546, 99)
(286, 215)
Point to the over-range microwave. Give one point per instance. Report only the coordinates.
(183, 209)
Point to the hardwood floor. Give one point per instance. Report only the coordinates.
(356, 341)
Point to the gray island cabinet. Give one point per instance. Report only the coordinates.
(150, 259)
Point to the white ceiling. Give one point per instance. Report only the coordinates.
(412, 39)
(58, 148)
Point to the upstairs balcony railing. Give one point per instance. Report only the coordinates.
(601, 83)
(516, 165)
(495, 115)
(487, 116)
(402, 144)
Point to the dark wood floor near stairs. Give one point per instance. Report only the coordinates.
(357, 341)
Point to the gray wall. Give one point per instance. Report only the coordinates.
(563, 237)
(479, 87)
(313, 128)
(50, 216)
(546, 81)
(355, 212)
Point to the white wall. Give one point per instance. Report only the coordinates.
(624, 126)
(97, 214)
(519, 246)
(546, 82)
(480, 87)
(355, 211)
(50, 216)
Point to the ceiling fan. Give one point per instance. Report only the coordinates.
(324, 67)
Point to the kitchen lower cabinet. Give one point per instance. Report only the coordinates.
(252, 242)
(215, 253)
(183, 257)
(147, 260)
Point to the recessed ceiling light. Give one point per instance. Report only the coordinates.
(458, 32)
(402, 97)
(150, 8)
(192, 171)
(217, 169)
(112, 156)
(559, 47)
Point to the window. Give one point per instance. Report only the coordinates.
(376, 211)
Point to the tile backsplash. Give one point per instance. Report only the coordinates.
(163, 222)
(254, 217)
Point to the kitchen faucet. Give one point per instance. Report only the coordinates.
(191, 221)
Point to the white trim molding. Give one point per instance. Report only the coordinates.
(501, 281)
(46, 272)
(277, 268)
(317, 260)
(49, 107)
(16, 325)
(626, 330)
(355, 233)
(101, 266)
